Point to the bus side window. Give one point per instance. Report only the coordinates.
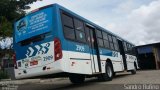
(125, 46)
(87, 34)
(67, 20)
(100, 42)
(78, 25)
(80, 36)
(68, 26)
(99, 38)
(98, 33)
(105, 35)
(105, 39)
(106, 43)
(111, 42)
(79, 29)
(115, 43)
(69, 33)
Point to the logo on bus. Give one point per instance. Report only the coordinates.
(115, 54)
(22, 26)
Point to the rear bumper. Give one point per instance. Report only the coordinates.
(28, 73)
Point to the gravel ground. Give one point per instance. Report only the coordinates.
(143, 80)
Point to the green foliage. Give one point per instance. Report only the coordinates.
(13, 9)
(3, 75)
(10, 10)
(5, 28)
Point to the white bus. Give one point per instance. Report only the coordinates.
(53, 39)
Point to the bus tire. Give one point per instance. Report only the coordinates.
(114, 74)
(134, 70)
(108, 75)
(77, 78)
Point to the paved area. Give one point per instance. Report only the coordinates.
(142, 77)
(143, 80)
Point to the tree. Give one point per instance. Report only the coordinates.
(5, 28)
(10, 10)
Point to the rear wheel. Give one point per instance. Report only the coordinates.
(108, 76)
(134, 70)
(77, 78)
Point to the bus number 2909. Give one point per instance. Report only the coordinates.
(46, 58)
(80, 48)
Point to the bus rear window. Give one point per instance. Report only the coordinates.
(32, 40)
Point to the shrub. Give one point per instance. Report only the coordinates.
(3, 75)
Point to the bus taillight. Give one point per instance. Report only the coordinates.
(14, 61)
(57, 49)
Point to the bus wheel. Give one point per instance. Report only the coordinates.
(108, 76)
(77, 78)
(114, 74)
(134, 70)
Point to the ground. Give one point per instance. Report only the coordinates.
(146, 80)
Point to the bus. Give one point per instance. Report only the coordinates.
(52, 40)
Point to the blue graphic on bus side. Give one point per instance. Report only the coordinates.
(38, 49)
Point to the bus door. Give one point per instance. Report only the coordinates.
(122, 52)
(94, 52)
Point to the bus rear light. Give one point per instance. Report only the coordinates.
(14, 61)
(57, 49)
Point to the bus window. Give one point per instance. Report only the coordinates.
(105, 36)
(105, 40)
(78, 25)
(128, 46)
(106, 43)
(125, 46)
(68, 27)
(87, 34)
(99, 38)
(110, 38)
(116, 46)
(111, 45)
(69, 33)
(67, 20)
(79, 29)
(115, 43)
(80, 36)
(98, 33)
(100, 42)
(111, 42)
(114, 39)
(32, 40)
